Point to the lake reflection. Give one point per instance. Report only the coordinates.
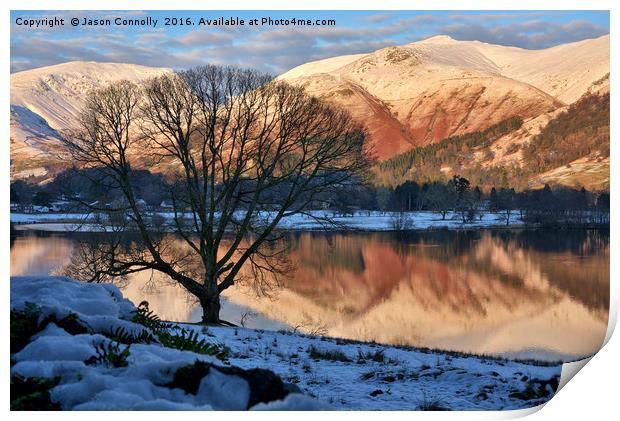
(528, 294)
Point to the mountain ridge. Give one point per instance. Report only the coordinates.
(406, 96)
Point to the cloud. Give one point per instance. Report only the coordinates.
(531, 34)
(278, 49)
(42, 51)
(493, 17)
(199, 38)
(379, 17)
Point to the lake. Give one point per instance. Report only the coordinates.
(518, 293)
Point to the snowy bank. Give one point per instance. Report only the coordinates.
(92, 349)
(314, 220)
(84, 347)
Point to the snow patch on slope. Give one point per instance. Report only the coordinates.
(57, 93)
(47, 100)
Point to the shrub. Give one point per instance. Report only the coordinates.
(147, 318)
(513, 148)
(187, 340)
(431, 404)
(536, 389)
(368, 375)
(120, 334)
(376, 356)
(329, 355)
(110, 354)
(32, 394)
(173, 336)
(24, 324)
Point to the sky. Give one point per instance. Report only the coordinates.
(275, 48)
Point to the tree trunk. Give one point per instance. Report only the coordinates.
(210, 309)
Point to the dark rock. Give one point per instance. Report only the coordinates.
(482, 396)
(71, 324)
(265, 385)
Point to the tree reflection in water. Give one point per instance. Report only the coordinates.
(525, 293)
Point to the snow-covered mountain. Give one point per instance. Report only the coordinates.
(422, 92)
(406, 96)
(565, 71)
(47, 100)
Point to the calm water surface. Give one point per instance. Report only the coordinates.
(527, 294)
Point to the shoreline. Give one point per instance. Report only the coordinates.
(360, 221)
(546, 354)
(423, 350)
(318, 372)
(64, 227)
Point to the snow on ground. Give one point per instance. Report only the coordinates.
(23, 218)
(331, 373)
(360, 220)
(140, 385)
(385, 221)
(378, 377)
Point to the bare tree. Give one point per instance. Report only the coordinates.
(401, 221)
(240, 151)
(440, 199)
(506, 203)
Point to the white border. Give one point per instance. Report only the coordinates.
(591, 394)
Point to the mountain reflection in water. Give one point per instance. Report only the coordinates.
(527, 293)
